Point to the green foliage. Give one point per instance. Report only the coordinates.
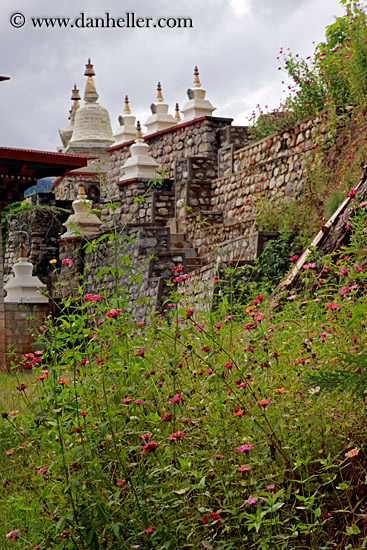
(333, 202)
(335, 76)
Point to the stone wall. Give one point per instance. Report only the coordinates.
(273, 167)
(200, 137)
(66, 188)
(134, 270)
(2, 307)
(40, 227)
(21, 323)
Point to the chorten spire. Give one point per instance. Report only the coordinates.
(75, 97)
(139, 135)
(177, 113)
(197, 82)
(159, 92)
(90, 93)
(127, 106)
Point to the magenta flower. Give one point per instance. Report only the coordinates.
(218, 325)
(13, 535)
(263, 402)
(139, 401)
(114, 312)
(148, 435)
(251, 500)
(149, 530)
(42, 471)
(212, 519)
(66, 261)
(176, 398)
(176, 435)
(244, 448)
(126, 400)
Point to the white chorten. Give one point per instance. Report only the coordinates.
(82, 222)
(159, 119)
(140, 164)
(92, 126)
(24, 287)
(197, 106)
(127, 130)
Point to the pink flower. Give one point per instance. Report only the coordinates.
(352, 452)
(293, 258)
(151, 446)
(244, 448)
(66, 261)
(114, 312)
(139, 401)
(344, 270)
(189, 312)
(251, 500)
(228, 365)
(9, 452)
(218, 325)
(126, 400)
(42, 471)
(149, 530)
(13, 535)
(180, 278)
(176, 398)
(176, 435)
(334, 305)
(140, 352)
(244, 468)
(148, 435)
(263, 402)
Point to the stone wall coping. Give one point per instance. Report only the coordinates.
(173, 129)
(70, 239)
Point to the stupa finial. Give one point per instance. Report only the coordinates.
(127, 106)
(177, 113)
(90, 93)
(139, 135)
(22, 253)
(159, 92)
(197, 82)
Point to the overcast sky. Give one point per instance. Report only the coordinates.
(234, 43)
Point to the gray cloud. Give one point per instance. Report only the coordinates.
(234, 43)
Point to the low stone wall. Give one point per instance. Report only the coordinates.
(21, 323)
(274, 167)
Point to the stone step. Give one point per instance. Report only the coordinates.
(194, 261)
(171, 223)
(179, 245)
(189, 253)
(177, 237)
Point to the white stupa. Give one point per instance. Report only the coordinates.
(92, 127)
(24, 287)
(82, 222)
(197, 106)
(127, 130)
(140, 164)
(159, 119)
